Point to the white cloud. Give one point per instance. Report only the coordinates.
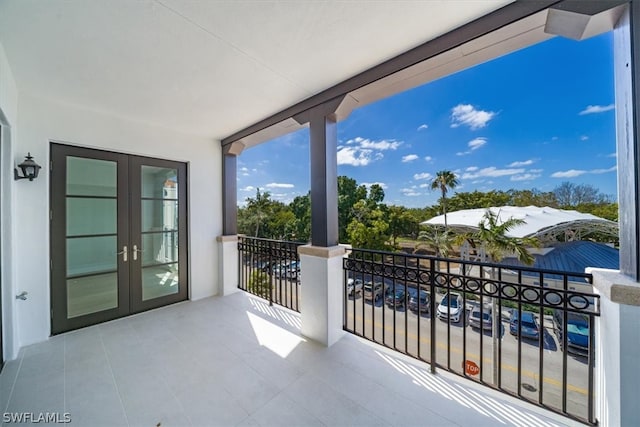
(423, 126)
(471, 169)
(382, 145)
(361, 151)
(584, 138)
(428, 158)
(356, 157)
(572, 173)
(279, 185)
(410, 192)
(381, 184)
(248, 188)
(600, 171)
(614, 155)
(525, 177)
(476, 143)
(463, 153)
(523, 163)
(554, 138)
(425, 185)
(409, 158)
(594, 109)
(423, 175)
(492, 172)
(536, 170)
(466, 114)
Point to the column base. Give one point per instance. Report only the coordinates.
(322, 302)
(228, 265)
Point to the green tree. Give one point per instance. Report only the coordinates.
(444, 181)
(402, 222)
(368, 229)
(301, 208)
(438, 240)
(349, 193)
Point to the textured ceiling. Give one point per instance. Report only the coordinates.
(209, 67)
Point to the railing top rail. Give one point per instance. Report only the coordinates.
(587, 276)
(275, 241)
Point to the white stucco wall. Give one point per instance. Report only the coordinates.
(8, 116)
(41, 121)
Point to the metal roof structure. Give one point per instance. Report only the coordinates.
(574, 257)
(545, 223)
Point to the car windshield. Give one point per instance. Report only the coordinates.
(528, 324)
(485, 315)
(578, 329)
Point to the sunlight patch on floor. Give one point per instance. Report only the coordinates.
(275, 338)
(483, 403)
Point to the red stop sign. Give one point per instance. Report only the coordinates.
(471, 368)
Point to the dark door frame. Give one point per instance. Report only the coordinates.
(128, 231)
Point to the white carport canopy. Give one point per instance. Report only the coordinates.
(545, 223)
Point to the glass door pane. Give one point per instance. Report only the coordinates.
(91, 236)
(158, 231)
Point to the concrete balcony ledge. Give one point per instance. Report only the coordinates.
(615, 286)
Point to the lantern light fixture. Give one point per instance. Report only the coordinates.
(29, 168)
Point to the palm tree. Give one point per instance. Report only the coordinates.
(497, 244)
(444, 180)
(440, 241)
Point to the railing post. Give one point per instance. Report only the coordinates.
(432, 313)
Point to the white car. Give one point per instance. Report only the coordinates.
(451, 307)
(354, 286)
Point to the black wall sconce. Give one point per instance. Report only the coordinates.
(29, 169)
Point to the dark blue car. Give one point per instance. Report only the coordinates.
(577, 332)
(528, 325)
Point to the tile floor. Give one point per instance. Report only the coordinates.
(236, 361)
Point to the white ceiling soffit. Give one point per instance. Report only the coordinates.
(210, 67)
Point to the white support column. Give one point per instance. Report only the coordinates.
(228, 265)
(322, 300)
(617, 345)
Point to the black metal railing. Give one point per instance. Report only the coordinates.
(270, 269)
(523, 331)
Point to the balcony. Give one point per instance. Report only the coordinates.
(236, 360)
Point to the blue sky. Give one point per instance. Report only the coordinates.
(532, 119)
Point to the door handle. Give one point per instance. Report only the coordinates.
(123, 252)
(135, 252)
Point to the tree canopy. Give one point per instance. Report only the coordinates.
(365, 221)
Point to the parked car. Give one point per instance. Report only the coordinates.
(577, 332)
(527, 323)
(354, 287)
(397, 298)
(481, 317)
(451, 307)
(371, 291)
(420, 302)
